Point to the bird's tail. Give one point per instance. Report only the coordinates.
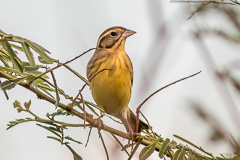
(132, 118)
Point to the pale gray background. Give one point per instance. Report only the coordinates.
(68, 28)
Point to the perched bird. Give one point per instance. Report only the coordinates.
(110, 72)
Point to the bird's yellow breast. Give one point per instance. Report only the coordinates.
(111, 87)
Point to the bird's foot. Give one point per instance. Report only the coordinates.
(132, 135)
(99, 123)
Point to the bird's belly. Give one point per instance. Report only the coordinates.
(111, 91)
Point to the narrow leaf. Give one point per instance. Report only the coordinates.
(18, 121)
(7, 85)
(165, 146)
(191, 156)
(4, 57)
(29, 54)
(3, 33)
(55, 138)
(42, 60)
(4, 61)
(31, 69)
(17, 47)
(18, 80)
(9, 69)
(148, 150)
(40, 51)
(71, 139)
(16, 62)
(18, 39)
(49, 129)
(179, 155)
(46, 86)
(75, 155)
(46, 91)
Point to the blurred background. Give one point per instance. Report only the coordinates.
(168, 46)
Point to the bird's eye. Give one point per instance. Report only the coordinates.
(113, 34)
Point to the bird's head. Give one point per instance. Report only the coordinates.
(114, 38)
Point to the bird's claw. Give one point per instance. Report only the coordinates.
(99, 123)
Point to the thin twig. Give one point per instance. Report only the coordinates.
(150, 128)
(105, 148)
(56, 89)
(90, 131)
(120, 144)
(92, 104)
(83, 102)
(139, 107)
(61, 64)
(210, 1)
(100, 72)
(62, 135)
(77, 74)
(135, 148)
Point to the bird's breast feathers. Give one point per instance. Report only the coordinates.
(111, 87)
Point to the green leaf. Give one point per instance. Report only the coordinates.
(4, 57)
(191, 156)
(71, 139)
(17, 47)
(2, 33)
(46, 86)
(29, 54)
(75, 155)
(179, 155)
(18, 121)
(17, 39)
(46, 91)
(9, 69)
(4, 61)
(31, 69)
(16, 62)
(50, 129)
(164, 148)
(55, 138)
(148, 150)
(40, 51)
(173, 144)
(7, 85)
(18, 65)
(42, 60)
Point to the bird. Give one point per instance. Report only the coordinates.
(110, 73)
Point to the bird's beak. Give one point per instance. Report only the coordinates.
(128, 33)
